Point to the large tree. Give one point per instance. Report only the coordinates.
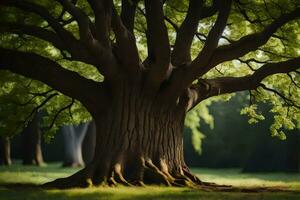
(159, 60)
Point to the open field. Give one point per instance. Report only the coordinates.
(38, 175)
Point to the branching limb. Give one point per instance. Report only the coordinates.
(69, 106)
(128, 13)
(84, 23)
(30, 101)
(38, 32)
(288, 101)
(103, 12)
(213, 87)
(51, 73)
(185, 34)
(99, 47)
(126, 48)
(184, 76)
(293, 81)
(43, 13)
(212, 40)
(61, 38)
(158, 42)
(250, 42)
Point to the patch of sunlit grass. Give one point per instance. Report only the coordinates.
(38, 175)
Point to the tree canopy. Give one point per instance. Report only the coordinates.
(208, 49)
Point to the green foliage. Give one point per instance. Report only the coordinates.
(18, 90)
(38, 175)
(251, 111)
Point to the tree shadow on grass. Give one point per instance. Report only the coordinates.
(32, 192)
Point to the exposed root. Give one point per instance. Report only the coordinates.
(117, 174)
(155, 175)
(148, 173)
(69, 182)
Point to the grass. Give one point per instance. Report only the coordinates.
(39, 175)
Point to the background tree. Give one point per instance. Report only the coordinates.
(5, 158)
(31, 142)
(73, 140)
(154, 72)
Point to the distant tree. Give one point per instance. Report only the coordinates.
(73, 140)
(157, 60)
(5, 158)
(31, 142)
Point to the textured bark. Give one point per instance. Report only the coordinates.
(5, 158)
(31, 143)
(140, 107)
(138, 141)
(73, 138)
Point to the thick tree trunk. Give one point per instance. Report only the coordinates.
(31, 142)
(73, 138)
(5, 158)
(139, 141)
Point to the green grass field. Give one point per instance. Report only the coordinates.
(38, 175)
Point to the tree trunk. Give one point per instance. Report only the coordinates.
(73, 138)
(5, 158)
(89, 143)
(139, 140)
(31, 142)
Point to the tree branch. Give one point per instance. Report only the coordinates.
(76, 49)
(128, 13)
(185, 34)
(84, 23)
(288, 101)
(158, 40)
(212, 40)
(43, 13)
(38, 32)
(213, 87)
(103, 12)
(69, 106)
(126, 49)
(183, 77)
(250, 42)
(51, 73)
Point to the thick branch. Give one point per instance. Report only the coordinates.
(126, 48)
(158, 40)
(51, 73)
(184, 76)
(185, 34)
(250, 42)
(213, 87)
(85, 29)
(212, 40)
(102, 11)
(128, 13)
(42, 12)
(38, 32)
(76, 49)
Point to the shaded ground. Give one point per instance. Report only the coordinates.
(18, 182)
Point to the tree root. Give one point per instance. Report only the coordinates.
(151, 174)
